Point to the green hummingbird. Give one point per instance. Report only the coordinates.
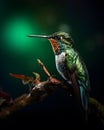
(70, 65)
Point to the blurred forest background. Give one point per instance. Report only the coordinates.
(84, 20)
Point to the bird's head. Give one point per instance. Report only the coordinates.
(59, 41)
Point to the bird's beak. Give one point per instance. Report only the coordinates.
(39, 36)
(53, 42)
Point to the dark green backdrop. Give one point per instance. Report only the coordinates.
(19, 54)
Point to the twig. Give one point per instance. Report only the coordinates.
(44, 68)
(39, 91)
(37, 94)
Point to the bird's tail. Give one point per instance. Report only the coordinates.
(84, 102)
(84, 98)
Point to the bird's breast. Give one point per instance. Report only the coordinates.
(60, 64)
(60, 60)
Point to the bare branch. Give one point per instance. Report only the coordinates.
(41, 89)
(44, 68)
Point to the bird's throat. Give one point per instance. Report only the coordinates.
(55, 46)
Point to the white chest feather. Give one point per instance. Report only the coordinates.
(60, 66)
(60, 59)
(60, 63)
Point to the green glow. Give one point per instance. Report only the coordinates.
(15, 34)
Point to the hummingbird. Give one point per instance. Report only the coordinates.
(70, 65)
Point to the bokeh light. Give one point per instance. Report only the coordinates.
(84, 20)
(15, 34)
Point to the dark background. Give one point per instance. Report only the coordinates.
(18, 54)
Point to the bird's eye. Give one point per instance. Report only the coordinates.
(61, 37)
(58, 38)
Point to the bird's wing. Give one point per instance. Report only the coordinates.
(79, 92)
(79, 86)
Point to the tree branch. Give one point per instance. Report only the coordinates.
(39, 90)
